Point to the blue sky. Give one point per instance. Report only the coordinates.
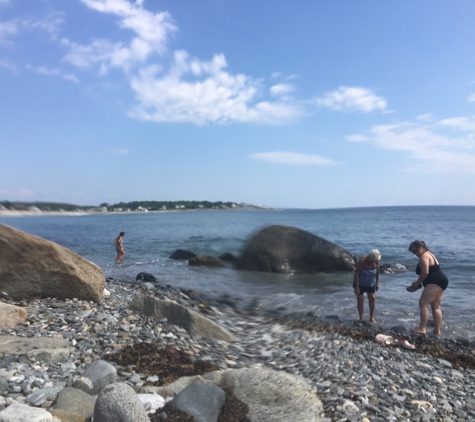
(308, 104)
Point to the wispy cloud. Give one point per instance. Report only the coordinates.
(471, 99)
(292, 158)
(50, 24)
(7, 64)
(352, 99)
(43, 70)
(281, 89)
(151, 34)
(429, 144)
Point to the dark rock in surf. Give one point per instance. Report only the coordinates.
(206, 261)
(288, 250)
(182, 254)
(146, 277)
(392, 269)
(228, 257)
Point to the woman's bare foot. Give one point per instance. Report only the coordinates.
(372, 320)
(418, 331)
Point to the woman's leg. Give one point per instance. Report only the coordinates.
(372, 306)
(360, 303)
(436, 312)
(429, 295)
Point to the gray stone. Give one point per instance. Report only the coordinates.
(36, 399)
(182, 316)
(118, 403)
(203, 401)
(75, 401)
(100, 373)
(23, 413)
(206, 261)
(3, 385)
(34, 267)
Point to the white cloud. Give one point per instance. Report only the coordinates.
(281, 89)
(71, 78)
(436, 152)
(203, 92)
(352, 99)
(461, 123)
(151, 33)
(471, 99)
(293, 158)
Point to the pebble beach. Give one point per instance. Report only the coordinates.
(356, 378)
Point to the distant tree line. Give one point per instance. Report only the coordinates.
(122, 206)
(43, 206)
(170, 205)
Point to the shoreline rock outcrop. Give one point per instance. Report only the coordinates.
(31, 267)
(289, 250)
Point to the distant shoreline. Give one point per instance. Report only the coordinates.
(27, 213)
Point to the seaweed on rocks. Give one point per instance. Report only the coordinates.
(167, 363)
(457, 352)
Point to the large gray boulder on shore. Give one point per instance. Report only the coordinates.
(289, 250)
(34, 267)
(193, 322)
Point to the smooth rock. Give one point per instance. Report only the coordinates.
(23, 413)
(118, 402)
(289, 250)
(75, 401)
(34, 267)
(201, 400)
(100, 373)
(176, 314)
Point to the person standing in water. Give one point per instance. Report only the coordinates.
(434, 281)
(119, 247)
(366, 280)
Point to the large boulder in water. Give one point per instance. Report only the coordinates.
(283, 249)
(34, 267)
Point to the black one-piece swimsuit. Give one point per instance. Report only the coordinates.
(435, 276)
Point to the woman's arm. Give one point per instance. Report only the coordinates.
(377, 278)
(424, 264)
(358, 269)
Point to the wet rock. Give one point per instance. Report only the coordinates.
(182, 254)
(146, 277)
(283, 249)
(206, 261)
(100, 373)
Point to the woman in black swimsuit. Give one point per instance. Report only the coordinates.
(434, 282)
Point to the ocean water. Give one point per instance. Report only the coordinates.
(151, 238)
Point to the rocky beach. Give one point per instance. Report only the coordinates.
(355, 378)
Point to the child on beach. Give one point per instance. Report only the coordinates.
(366, 280)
